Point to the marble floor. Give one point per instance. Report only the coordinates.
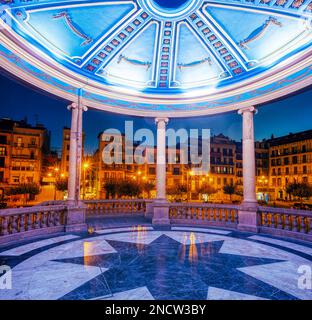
(125, 262)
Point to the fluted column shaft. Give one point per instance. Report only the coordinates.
(75, 152)
(161, 158)
(249, 162)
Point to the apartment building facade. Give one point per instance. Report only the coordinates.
(22, 149)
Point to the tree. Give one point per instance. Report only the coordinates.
(26, 189)
(148, 187)
(229, 189)
(129, 188)
(111, 188)
(178, 192)
(300, 190)
(61, 185)
(207, 189)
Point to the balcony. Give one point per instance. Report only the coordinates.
(32, 145)
(23, 156)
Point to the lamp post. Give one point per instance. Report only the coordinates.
(189, 173)
(85, 168)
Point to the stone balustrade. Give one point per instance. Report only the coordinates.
(285, 222)
(17, 224)
(22, 223)
(204, 213)
(115, 207)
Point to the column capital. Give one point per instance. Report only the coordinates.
(75, 105)
(161, 120)
(247, 109)
(72, 106)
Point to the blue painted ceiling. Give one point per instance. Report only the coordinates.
(161, 46)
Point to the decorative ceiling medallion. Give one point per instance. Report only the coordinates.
(170, 10)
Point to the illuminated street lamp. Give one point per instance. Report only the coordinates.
(85, 167)
(189, 173)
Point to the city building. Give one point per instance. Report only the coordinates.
(290, 159)
(22, 151)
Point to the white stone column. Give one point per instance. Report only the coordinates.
(81, 109)
(161, 158)
(248, 212)
(75, 153)
(72, 172)
(75, 221)
(160, 205)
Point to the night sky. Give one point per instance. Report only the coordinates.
(18, 101)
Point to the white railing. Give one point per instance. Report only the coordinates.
(22, 221)
(285, 221)
(205, 213)
(115, 207)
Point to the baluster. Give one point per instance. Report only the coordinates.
(233, 212)
(272, 220)
(5, 226)
(279, 221)
(290, 222)
(303, 225)
(35, 221)
(14, 224)
(41, 219)
(57, 218)
(209, 214)
(220, 214)
(46, 219)
(22, 222)
(298, 223)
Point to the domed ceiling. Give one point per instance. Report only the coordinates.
(160, 57)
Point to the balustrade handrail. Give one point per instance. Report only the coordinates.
(29, 210)
(205, 205)
(296, 212)
(114, 200)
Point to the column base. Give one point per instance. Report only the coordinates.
(247, 217)
(149, 211)
(83, 227)
(76, 221)
(161, 214)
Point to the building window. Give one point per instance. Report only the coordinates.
(16, 179)
(295, 160)
(295, 170)
(286, 161)
(2, 162)
(304, 169)
(304, 158)
(1, 176)
(19, 141)
(176, 171)
(304, 148)
(287, 170)
(3, 140)
(2, 151)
